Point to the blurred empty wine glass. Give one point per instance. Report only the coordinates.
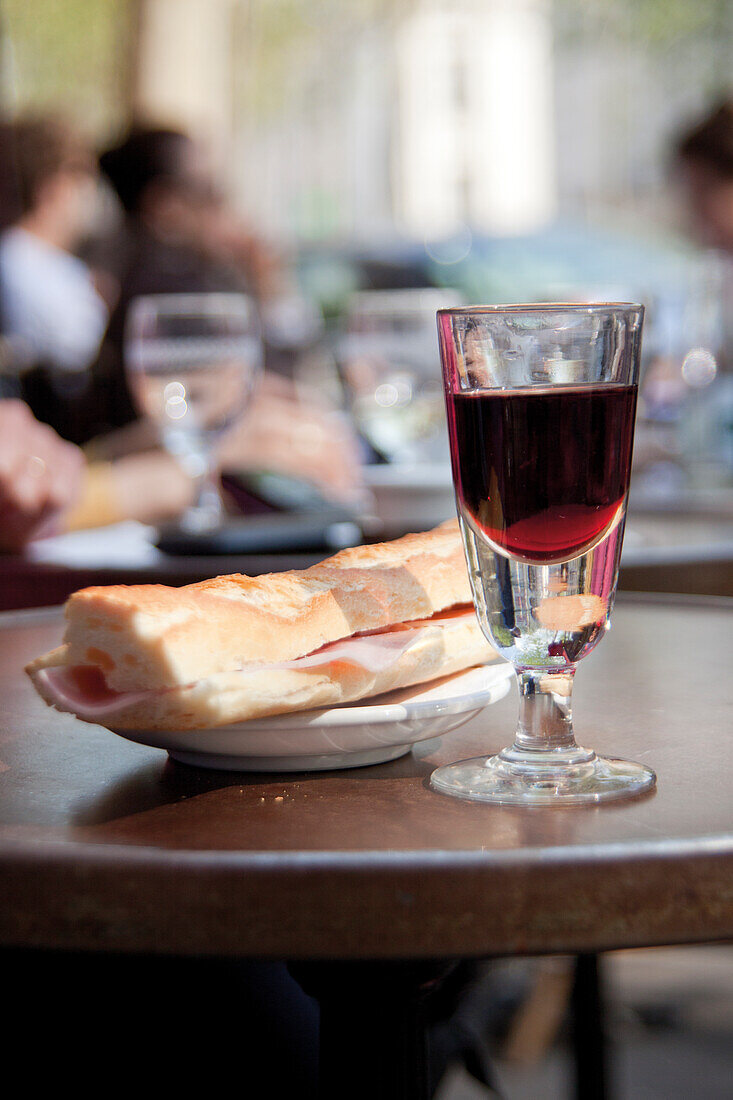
(192, 361)
(390, 367)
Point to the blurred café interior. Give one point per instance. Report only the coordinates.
(345, 168)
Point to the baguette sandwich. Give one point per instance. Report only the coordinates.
(368, 620)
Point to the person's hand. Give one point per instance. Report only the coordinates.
(150, 487)
(296, 435)
(40, 475)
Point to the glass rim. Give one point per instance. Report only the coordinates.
(545, 307)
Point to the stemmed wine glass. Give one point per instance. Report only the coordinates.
(541, 401)
(192, 361)
(389, 364)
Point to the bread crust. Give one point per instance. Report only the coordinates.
(153, 636)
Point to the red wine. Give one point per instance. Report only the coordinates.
(542, 472)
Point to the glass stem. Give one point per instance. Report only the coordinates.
(206, 510)
(208, 499)
(545, 711)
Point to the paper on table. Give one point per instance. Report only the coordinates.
(127, 544)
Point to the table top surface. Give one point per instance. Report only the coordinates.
(106, 844)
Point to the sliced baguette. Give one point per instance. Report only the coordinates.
(228, 697)
(236, 648)
(152, 636)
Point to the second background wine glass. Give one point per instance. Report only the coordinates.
(192, 362)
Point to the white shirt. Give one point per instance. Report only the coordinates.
(51, 311)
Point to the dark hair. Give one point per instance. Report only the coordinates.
(145, 156)
(710, 141)
(33, 149)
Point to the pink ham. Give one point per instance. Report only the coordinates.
(83, 691)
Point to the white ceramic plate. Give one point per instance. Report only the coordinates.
(340, 737)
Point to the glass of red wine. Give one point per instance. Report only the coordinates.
(541, 401)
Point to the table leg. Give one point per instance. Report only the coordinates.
(590, 1047)
(373, 1033)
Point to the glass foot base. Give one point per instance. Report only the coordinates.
(543, 778)
(200, 521)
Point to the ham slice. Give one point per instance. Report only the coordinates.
(82, 690)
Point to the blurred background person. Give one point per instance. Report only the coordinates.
(179, 231)
(52, 311)
(691, 387)
(704, 155)
(62, 318)
(179, 235)
(55, 309)
(176, 236)
(703, 160)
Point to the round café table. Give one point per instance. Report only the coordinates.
(109, 846)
